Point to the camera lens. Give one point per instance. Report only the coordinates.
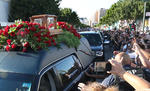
(108, 67)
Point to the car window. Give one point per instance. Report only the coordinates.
(15, 82)
(45, 83)
(68, 69)
(94, 39)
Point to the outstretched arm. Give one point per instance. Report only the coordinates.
(135, 81)
(143, 55)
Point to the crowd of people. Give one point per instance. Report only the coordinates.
(130, 64)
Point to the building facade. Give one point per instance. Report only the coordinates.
(101, 13)
(98, 15)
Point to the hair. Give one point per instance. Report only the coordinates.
(126, 58)
(95, 86)
(142, 46)
(148, 46)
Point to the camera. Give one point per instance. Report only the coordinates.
(108, 66)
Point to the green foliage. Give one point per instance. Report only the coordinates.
(69, 39)
(23, 9)
(124, 10)
(83, 25)
(67, 15)
(0, 27)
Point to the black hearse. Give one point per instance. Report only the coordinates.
(46, 70)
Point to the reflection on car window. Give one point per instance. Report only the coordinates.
(15, 82)
(94, 39)
(68, 70)
(44, 84)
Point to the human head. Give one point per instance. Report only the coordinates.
(126, 58)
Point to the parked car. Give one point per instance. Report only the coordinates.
(96, 42)
(46, 70)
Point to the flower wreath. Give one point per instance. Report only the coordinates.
(23, 35)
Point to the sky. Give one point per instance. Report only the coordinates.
(86, 8)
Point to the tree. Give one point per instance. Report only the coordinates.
(124, 10)
(67, 15)
(23, 9)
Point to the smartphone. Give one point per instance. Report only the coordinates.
(108, 66)
(99, 66)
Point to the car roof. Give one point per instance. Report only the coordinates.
(31, 62)
(88, 32)
(35, 62)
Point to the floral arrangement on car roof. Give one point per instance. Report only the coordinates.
(69, 36)
(24, 35)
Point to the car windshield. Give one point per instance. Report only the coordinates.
(94, 39)
(15, 82)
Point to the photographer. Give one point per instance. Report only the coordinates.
(113, 79)
(135, 81)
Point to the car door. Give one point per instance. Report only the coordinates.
(62, 75)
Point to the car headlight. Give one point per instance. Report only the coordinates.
(99, 53)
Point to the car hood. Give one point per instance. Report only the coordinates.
(96, 48)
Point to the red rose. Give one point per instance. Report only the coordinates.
(24, 49)
(42, 27)
(12, 34)
(50, 37)
(27, 30)
(33, 29)
(7, 28)
(39, 39)
(7, 48)
(37, 34)
(22, 33)
(71, 27)
(35, 24)
(29, 24)
(54, 43)
(79, 36)
(14, 25)
(26, 22)
(53, 40)
(9, 42)
(5, 33)
(51, 25)
(13, 46)
(19, 27)
(11, 26)
(18, 33)
(63, 26)
(48, 42)
(26, 44)
(1, 31)
(59, 23)
(46, 35)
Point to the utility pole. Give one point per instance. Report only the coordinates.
(144, 16)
